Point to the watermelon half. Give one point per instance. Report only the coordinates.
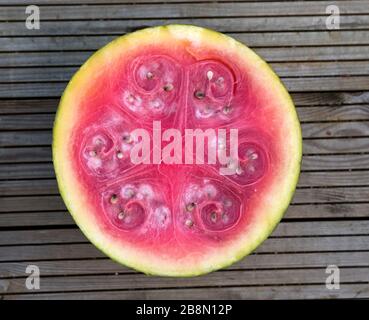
(167, 217)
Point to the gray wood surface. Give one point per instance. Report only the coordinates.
(327, 73)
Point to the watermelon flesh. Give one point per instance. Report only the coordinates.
(167, 216)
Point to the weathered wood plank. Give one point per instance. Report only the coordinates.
(284, 229)
(224, 278)
(303, 54)
(27, 171)
(28, 106)
(335, 129)
(264, 39)
(319, 291)
(271, 245)
(62, 2)
(329, 98)
(26, 154)
(334, 113)
(221, 24)
(330, 211)
(184, 10)
(35, 219)
(344, 146)
(254, 261)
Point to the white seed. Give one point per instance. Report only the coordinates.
(209, 75)
(239, 171)
(149, 75)
(119, 155)
(189, 223)
(254, 156)
(131, 98)
(121, 215)
(92, 153)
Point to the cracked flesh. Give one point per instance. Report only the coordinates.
(178, 210)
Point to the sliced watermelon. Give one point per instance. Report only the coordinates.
(164, 216)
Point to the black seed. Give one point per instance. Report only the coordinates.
(114, 198)
(199, 94)
(168, 87)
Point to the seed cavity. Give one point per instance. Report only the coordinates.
(168, 87)
(199, 94)
(220, 81)
(113, 199)
(129, 193)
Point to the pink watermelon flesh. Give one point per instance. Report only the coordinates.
(176, 212)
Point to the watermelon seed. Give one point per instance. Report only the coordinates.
(199, 94)
(131, 98)
(227, 109)
(149, 75)
(209, 75)
(190, 206)
(189, 223)
(213, 217)
(121, 215)
(114, 199)
(168, 87)
(253, 156)
(119, 155)
(92, 153)
(239, 171)
(127, 138)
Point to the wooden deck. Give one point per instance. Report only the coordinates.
(327, 73)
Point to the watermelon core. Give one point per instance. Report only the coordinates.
(166, 217)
